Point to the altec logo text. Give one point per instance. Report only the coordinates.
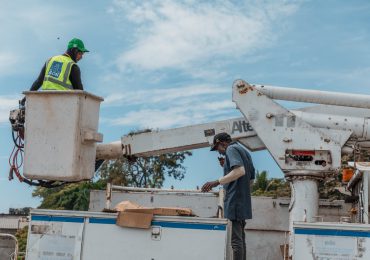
(241, 126)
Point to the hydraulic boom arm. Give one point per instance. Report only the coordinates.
(311, 138)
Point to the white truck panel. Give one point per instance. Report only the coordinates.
(203, 205)
(65, 235)
(329, 241)
(55, 237)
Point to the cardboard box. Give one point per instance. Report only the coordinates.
(166, 211)
(163, 211)
(134, 216)
(134, 219)
(123, 205)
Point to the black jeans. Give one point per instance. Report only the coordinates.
(238, 240)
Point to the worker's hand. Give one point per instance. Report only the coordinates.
(23, 101)
(210, 185)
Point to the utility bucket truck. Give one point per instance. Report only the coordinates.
(308, 144)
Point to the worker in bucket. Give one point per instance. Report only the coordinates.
(61, 72)
(239, 174)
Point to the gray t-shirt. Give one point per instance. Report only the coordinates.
(237, 201)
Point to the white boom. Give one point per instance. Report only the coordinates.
(200, 136)
(348, 121)
(315, 96)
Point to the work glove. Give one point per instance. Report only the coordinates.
(22, 102)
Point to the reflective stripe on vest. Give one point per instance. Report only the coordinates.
(58, 69)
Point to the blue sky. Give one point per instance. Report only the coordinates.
(163, 64)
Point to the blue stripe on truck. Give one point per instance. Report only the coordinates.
(180, 225)
(102, 220)
(331, 232)
(57, 218)
(184, 225)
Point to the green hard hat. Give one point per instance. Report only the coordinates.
(77, 43)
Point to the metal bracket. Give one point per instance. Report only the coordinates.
(287, 131)
(156, 233)
(92, 136)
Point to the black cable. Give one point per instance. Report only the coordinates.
(15, 140)
(45, 184)
(98, 163)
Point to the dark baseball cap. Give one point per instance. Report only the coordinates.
(220, 137)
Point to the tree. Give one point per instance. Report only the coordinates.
(145, 171)
(274, 187)
(142, 172)
(21, 236)
(20, 211)
(74, 196)
(260, 182)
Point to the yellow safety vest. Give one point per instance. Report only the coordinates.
(58, 69)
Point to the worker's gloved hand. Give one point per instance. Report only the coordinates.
(23, 101)
(210, 185)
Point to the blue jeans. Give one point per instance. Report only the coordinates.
(238, 240)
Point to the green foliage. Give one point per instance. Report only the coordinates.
(21, 236)
(20, 211)
(260, 182)
(73, 196)
(142, 172)
(263, 186)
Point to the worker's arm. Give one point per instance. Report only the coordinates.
(40, 79)
(75, 77)
(235, 174)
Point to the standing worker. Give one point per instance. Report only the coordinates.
(239, 174)
(61, 72)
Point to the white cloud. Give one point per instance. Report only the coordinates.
(186, 35)
(171, 107)
(155, 96)
(30, 31)
(353, 80)
(32, 22)
(175, 116)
